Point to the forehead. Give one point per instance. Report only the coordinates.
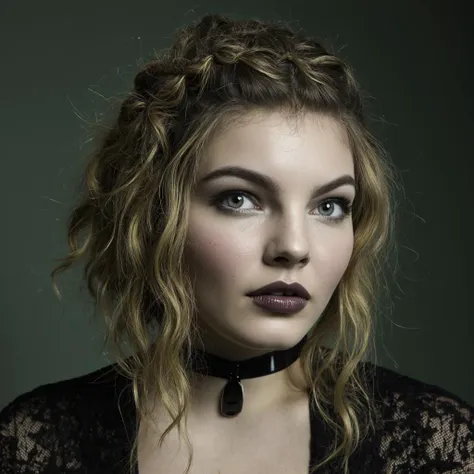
(311, 140)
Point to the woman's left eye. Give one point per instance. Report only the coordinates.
(341, 201)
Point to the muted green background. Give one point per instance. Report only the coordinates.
(60, 59)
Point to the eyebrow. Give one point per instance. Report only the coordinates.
(267, 183)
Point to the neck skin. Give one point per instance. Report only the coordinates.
(262, 395)
(269, 402)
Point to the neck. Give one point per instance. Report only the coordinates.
(233, 372)
(262, 394)
(264, 390)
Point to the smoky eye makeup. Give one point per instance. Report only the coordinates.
(218, 200)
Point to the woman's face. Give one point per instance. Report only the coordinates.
(240, 242)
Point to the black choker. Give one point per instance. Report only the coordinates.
(232, 395)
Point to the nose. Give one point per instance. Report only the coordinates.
(289, 245)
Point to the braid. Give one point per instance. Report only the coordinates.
(203, 54)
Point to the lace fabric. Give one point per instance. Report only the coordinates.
(86, 425)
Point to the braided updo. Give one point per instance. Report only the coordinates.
(134, 212)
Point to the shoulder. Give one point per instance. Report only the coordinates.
(423, 426)
(53, 419)
(65, 395)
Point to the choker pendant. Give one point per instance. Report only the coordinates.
(232, 395)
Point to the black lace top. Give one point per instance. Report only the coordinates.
(86, 425)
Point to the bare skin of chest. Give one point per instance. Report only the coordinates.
(277, 443)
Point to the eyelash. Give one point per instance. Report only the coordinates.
(343, 202)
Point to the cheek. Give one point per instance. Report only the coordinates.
(335, 259)
(215, 257)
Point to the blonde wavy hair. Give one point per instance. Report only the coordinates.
(137, 187)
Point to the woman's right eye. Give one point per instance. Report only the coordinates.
(221, 198)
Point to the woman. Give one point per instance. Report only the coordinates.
(248, 319)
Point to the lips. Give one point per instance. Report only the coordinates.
(280, 304)
(280, 286)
